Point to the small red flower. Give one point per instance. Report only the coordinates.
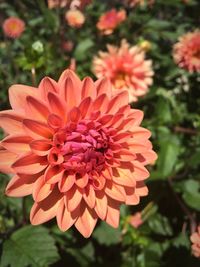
(77, 149)
(186, 52)
(110, 20)
(13, 27)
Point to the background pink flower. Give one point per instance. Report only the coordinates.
(126, 68)
(195, 239)
(75, 18)
(110, 20)
(186, 52)
(13, 27)
(58, 3)
(79, 150)
(136, 220)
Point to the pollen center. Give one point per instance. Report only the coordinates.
(120, 79)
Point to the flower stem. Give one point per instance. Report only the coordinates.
(33, 75)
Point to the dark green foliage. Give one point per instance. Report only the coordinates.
(29, 246)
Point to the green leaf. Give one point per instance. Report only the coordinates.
(194, 160)
(163, 111)
(29, 246)
(150, 256)
(82, 48)
(106, 235)
(182, 240)
(84, 255)
(158, 24)
(168, 155)
(160, 225)
(191, 194)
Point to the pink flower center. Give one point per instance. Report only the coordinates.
(80, 148)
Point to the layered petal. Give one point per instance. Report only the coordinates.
(86, 221)
(65, 219)
(17, 143)
(47, 209)
(46, 86)
(18, 94)
(29, 164)
(11, 122)
(36, 129)
(21, 185)
(6, 160)
(112, 216)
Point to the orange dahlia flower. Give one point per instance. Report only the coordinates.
(77, 149)
(195, 239)
(75, 18)
(13, 27)
(110, 20)
(186, 52)
(126, 68)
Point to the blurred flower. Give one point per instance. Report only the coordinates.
(58, 3)
(80, 4)
(186, 52)
(195, 239)
(126, 68)
(133, 3)
(13, 27)
(2, 45)
(110, 20)
(136, 220)
(75, 18)
(145, 45)
(77, 149)
(67, 46)
(38, 47)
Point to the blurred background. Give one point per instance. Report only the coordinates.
(155, 233)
